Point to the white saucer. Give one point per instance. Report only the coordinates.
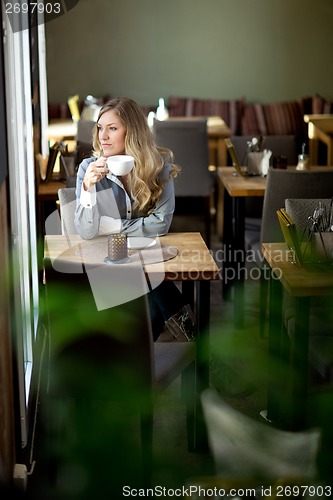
(120, 261)
(140, 242)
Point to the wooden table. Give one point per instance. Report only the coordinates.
(232, 193)
(301, 283)
(48, 191)
(233, 190)
(320, 128)
(194, 267)
(59, 130)
(193, 262)
(238, 188)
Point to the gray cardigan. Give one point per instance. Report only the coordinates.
(111, 200)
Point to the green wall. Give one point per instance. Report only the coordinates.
(264, 50)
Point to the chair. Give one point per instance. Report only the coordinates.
(245, 448)
(100, 376)
(166, 353)
(300, 209)
(73, 104)
(67, 200)
(285, 145)
(320, 321)
(105, 371)
(283, 184)
(188, 140)
(84, 139)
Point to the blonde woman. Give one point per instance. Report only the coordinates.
(140, 203)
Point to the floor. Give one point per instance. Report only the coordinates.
(238, 374)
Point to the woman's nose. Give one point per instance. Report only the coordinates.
(104, 134)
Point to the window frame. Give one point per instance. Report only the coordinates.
(21, 175)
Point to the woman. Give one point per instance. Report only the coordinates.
(140, 203)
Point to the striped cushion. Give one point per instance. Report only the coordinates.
(177, 106)
(284, 118)
(230, 110)
(280, 118)
(321, 105)
(253, 121)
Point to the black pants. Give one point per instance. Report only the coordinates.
(164, 301)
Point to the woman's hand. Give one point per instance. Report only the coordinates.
(95, 172)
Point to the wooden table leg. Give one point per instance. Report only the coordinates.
(313, 151)
(240, 260)
(299, 365)
(274, 389)
(330, 153)
(220, 209)
(203, 316)
(227, 246)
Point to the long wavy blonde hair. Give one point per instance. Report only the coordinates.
(145, 184)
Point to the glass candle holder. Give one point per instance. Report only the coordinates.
(117, 246)
(303, 162)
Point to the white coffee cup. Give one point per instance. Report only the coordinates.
(120, 164)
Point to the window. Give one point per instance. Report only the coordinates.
(18, 88)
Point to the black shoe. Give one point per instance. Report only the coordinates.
(183, 325)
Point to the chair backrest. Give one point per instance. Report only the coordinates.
(244, 447)
(188, 140)
(280, 145)
(76, 311)
(301, 209)
(283, 184)
(84, 139)
(67, 199)
(100, 372)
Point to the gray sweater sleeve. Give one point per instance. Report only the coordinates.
(156, 224)
(86, 218)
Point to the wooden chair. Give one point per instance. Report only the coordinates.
(320, 321)
(84, 139)
(250, 455)
(188, 140)
(286, 145)
(67, 200)
(283, 184)
(167, 354)
(244, 448)
(115, 346)
(104, 374)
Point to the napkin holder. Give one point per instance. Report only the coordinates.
(258, 162)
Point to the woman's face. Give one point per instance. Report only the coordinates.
(111, 134)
